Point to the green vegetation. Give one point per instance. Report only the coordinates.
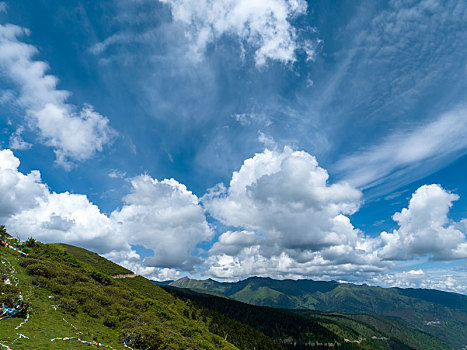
(95, 260)
(303, 330)
(68, 297)
(441, 314)
(93, 300)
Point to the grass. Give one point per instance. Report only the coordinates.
(95, 260)
(62, 290)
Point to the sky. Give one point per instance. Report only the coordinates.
(236, 138)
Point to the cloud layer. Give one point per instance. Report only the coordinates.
(75, 134)
(285, 218)
(292, 223)
(264, 25)
(160, 215)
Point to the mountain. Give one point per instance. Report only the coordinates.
(163, 283)
(441, 314)
(305, 330)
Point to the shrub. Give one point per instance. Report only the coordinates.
(101, 278)
(111, 321)
(9, 295)
(143, 338)
(69, 305)
(40, 269)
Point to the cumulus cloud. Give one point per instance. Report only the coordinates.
(70, 218)
(425, 229)
(75, 134)
(159, 215)
(298, 219)
(30, 209)
(293, 223)
(264, 25)
(286, 220)
(165, 217)
(286, 195)
(452, 280)
(132, 261)
(18, 191)
(232, 242)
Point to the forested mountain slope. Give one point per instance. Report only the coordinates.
(441, 314)
(307, 329)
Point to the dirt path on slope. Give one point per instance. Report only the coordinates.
(125, 275)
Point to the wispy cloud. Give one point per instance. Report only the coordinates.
(411, 153)
(17, 142)
(117, 174)
(264, 25)
(74, 134)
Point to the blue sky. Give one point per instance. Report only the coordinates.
(226, 139)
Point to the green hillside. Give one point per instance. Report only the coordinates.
(441, 314)
(70, 304)
(304, 330)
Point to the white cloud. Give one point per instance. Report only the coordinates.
(232, 242)
(159, 215)
(262, 24)
(286, 195)
(74, 134)
(30, 209)
(295, 225)
(70, 218)
(16, 142)
(3, 6)
(439, 140)
(18, 191)
(425, 229)
(298, 220)
(454, 280)
(132, 261)
(291, 223)
(117, 174)
(165, 217)
(251, 261)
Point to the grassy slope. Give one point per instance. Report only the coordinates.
(241, 335)
(45, 322)
(179, 324)
(88, 304)
(94, 260)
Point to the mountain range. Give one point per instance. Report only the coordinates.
(441, 314)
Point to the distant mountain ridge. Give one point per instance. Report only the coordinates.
(441, 314)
